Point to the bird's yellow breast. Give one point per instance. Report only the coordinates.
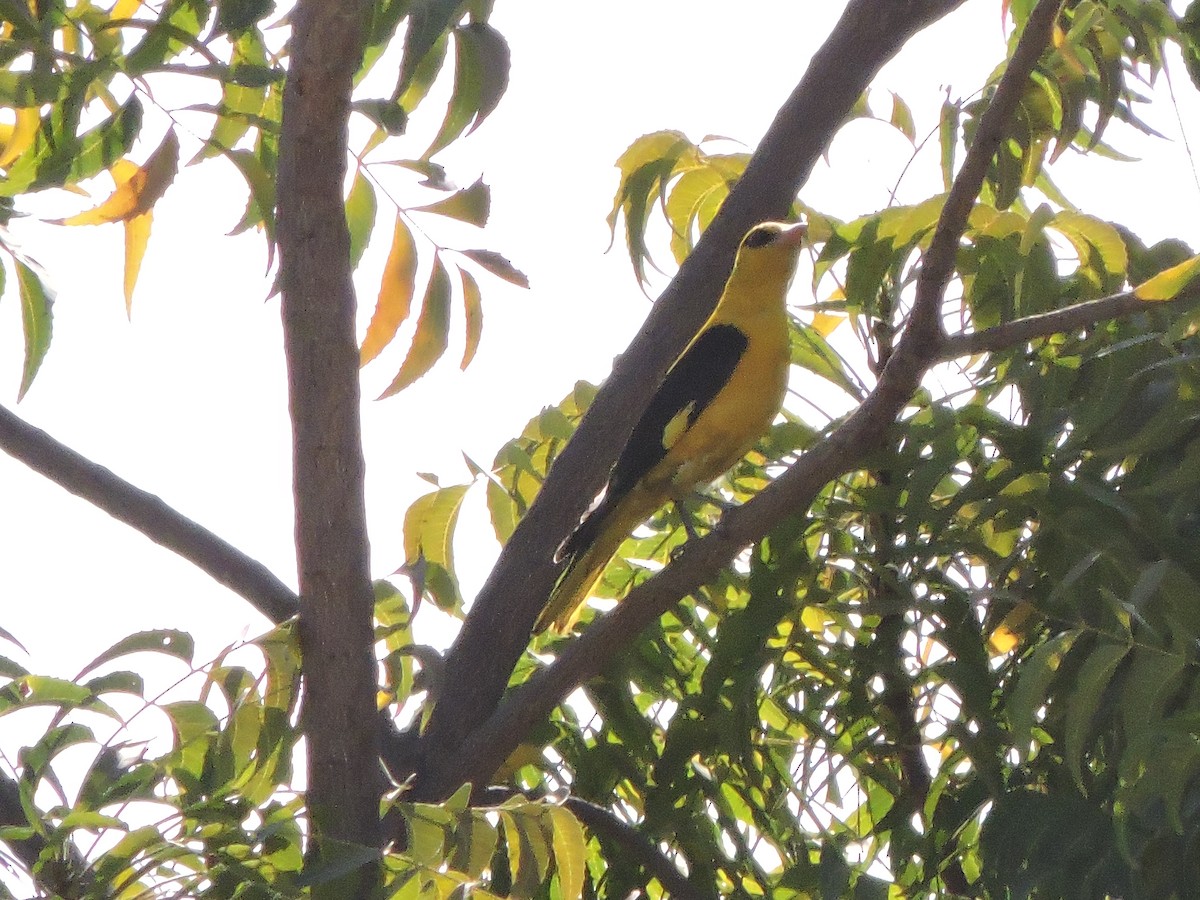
(737, 416)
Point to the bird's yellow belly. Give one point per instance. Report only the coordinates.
(732, 423)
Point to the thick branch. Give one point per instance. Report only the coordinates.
(318, 308)
(869, 33)
(148, 514)
(1070, 318)
(790, 494)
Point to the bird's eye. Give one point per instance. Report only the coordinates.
(761, 236)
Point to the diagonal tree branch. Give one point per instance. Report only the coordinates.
(148, 514)
(794, 491)
(495, 633)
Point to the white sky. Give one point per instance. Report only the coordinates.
(188, 401)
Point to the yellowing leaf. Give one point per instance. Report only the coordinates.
(1011, 629)
(17, 137)
(570, 851)
(825, 324)
(473, 303)
(137, 235)
(138, 188)
(395, 293)
(470, 205)
(429, 526)
(1167, 284)
(431, 337)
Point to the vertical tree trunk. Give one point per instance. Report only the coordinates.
(344, 779)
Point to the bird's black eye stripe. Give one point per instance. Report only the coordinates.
(760, 237)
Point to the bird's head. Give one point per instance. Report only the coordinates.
(768, 255)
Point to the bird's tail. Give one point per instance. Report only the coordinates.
(588, 551)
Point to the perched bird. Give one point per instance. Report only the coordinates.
(717, 399)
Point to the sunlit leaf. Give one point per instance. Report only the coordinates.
(137, 236)
(394, 302)
(137, 188)
(570, 851)
(1167, 285)
(432, 334)
(17, 137)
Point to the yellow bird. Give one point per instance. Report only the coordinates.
(717, 399)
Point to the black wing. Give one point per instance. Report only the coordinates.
(692, 381)
(690, 384)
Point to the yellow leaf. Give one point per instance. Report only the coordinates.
(814, 619)
(432, 334)
(473, 302)
(1167, 284)
(825, 324)
(137, 235)
(395, 293)
(17, 137)
(124, 9)
(1011, 629)
(138, 188)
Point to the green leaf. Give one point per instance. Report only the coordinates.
(902, 119)
(1083, 700)
(480, 79)
(169, 642)
(646, 167)
(570, 851)
(429, 529)
(948, 140)
(1036, 674)
(36, 321)
(260, 209)
(474, 844)
(39, 690)
(428, 21)
(432, 335)
(813, 353)
(360, 216)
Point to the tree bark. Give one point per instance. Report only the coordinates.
(338, 714)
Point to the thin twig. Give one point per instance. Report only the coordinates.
(1059, 321)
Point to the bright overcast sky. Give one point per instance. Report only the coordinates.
(188, 400)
